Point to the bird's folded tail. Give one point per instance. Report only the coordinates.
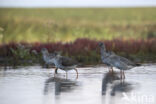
(137, 64)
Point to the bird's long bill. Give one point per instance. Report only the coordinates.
(76, 73)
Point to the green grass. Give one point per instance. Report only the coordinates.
(68, 24)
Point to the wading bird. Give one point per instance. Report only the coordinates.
(113, 60)
(60, 62)
(64, 63)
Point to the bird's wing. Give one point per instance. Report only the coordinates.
(115, 61)
(126, 61)
(51, 55)
(123, 59)
(68, 61)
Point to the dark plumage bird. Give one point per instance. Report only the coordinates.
(113, 60)
(64, 63)
(60, 62)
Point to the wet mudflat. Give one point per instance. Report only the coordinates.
(95, 85)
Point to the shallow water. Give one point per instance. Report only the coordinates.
(35, 85)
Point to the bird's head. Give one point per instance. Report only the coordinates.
(101, 45)
(44, 51)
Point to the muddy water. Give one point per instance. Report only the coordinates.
(95, 85)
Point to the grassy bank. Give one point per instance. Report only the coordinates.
(69, 24)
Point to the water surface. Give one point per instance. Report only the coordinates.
(95, 85)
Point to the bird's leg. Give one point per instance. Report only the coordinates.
(112, 70)
(76, 73)
(66, 75)
(109, 69)
(56, 70)
(124, 74)
(121, 74)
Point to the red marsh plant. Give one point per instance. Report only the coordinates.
(86, 48)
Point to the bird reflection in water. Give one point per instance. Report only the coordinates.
(113, 87)
(60, 85)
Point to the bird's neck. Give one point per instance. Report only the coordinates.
(103, 52)
(45, 56)
(58, 61)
